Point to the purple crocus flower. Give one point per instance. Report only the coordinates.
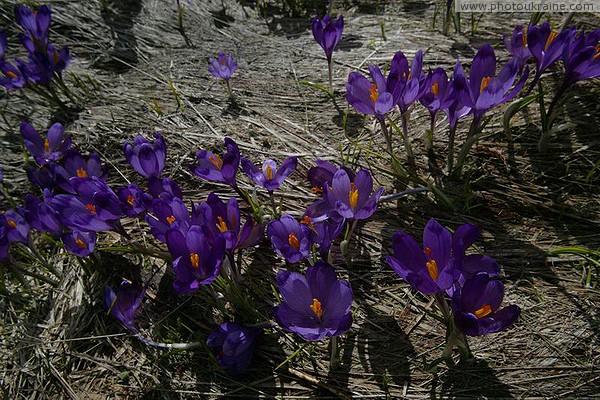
(80, 243)
(123, 302)
(323, 233)
(94, 207)
(314, 306)
(133, 200)
(161, 187)
(454, 108)
(36, 25)
(323, 172)
(371, 97)
(486, 90)
(40, 215)
(168, 212)
(213, 168)
(17, 228)
(223, 67)
(289, 238)
(11, 77)
(516, 45)
(546, 46)
(328, 33)
(436, 89)
(148, 159)
(195, 261)
(352, 199)
(43, 177)
(233, 346)
(404, 82)
(269, 177)
(430, 269)
(76, 166)
(582, 58)
(476, 307)
(45, 150)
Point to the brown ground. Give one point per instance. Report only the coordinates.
(59, 343)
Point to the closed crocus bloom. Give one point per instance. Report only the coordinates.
(77, 166)
(485, 89)
(40, 215)
(123, 302)
(582, 58)
(476, 307)
(222, 67)
(517, 46)
(164, 187)
(17, 228)
(352, 199)
(79, 243)
(233, 346)
(314, 306)
(429, 269)
(371, 97)
(323, 172)
(404, 81)
(196, 261)
(49, 149)
(270, 177)
(148, 159)
(168, 212)
(454, 107)
(43, 177)
(36, 25)
(212, 167)
(290, 239)
(328, 33)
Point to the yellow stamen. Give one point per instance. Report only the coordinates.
(306, 220)
(216, 160)
(130, 199)
(484, 82)
(317, 189)
(11, 74)
(550, 39)
(81, 173)
(46, 146)
(317, 308)
(221, 225)
(353, 195)
(524, 36)
(432, 268)
(435, 88)
(171, 219)
(293, 241)
(374, 94)
(597, 53)
(484, 311)
(80, 243)
(11, 223)
(91, 208)
(195, 260)
(269, 172)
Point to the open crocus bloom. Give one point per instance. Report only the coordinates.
(270, 177)
(223, 67)
(215, 168)
(49, 149)
(372, 97)
(352, 199)
(314, 306)
(476, 306)
(290, 238)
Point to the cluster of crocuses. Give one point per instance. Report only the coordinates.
(441, 266)
(44, 61)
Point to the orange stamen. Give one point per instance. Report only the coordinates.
(484, 311)
(221, 225)
(317, 189)
(550, 39)
(317, 308)
(81, 173)
(91, 208)
(353, 195)
(195, 260)
(269, 172)
(597, 53)
(11, 74)
(524, 36)
(427, 251)
(46, 146)
(11, 223)
(484, 82)
(130, 199)
(171, 219)
(80, 243)
(216, 160)
(222, 61)
(374, 94)
(435, 88)
(293, 241)
(432, 268)
(306, 220)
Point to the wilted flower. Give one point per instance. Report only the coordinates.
(223, 67)
(314, 306)
(123, 303)
(148, 159)
(79, 243)
(212, 167)
(290, 239)
(233, 346)
(328, 33)
(45, 150)
(195, 260)
(476, 307)
(270, 177)
(352, 199)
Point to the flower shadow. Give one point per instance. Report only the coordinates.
(473, 378)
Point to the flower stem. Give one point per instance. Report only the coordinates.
(386, 135)
(330, 73)
(410, 156)
(451, 137)
(334, 360)
(472, 137)
(273, 206)
(229, 91)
